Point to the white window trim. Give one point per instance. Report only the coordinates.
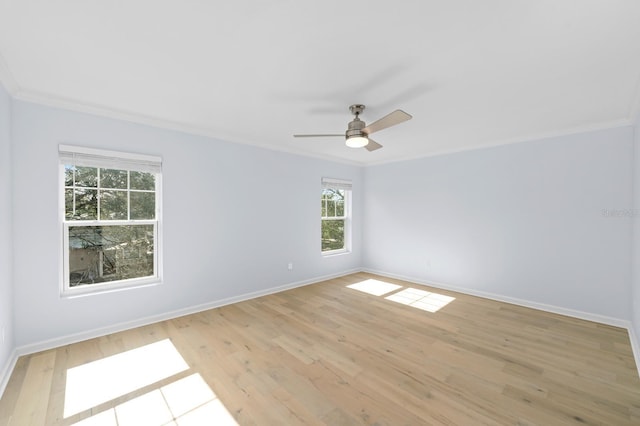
(70, 154)
(347, 186)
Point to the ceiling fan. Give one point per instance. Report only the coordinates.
(357, 134)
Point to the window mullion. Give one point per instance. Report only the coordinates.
(99, 195)
(73, 183)
(128, 194)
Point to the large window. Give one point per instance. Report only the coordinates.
(336, 216)
(110, 219)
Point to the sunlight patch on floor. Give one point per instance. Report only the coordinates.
(100, 381)
(374, 287)
(185, 402)
(421, 299)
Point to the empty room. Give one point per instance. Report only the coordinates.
(323, 212)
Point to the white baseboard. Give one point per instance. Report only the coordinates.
(98, 332)
(602, 319)
(635, 345)
(77, 337)
(5, 375)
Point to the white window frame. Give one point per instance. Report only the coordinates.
(345, 185)
(98, 158)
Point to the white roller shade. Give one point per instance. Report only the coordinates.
(336, 183)
(90, 157)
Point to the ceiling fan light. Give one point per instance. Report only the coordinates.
(357, 141)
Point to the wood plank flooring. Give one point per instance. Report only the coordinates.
(331, 354)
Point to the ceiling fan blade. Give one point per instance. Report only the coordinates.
(318, 136)
(372, 145)
(396, 117)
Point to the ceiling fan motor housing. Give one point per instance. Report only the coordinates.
(355, 128)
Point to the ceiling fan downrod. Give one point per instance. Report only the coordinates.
(356, 125)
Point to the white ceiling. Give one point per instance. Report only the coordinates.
(472, 73)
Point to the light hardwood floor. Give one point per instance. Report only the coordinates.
(331, 354)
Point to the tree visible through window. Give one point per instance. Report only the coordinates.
(110, 224)
(335, 212)
(333, 219)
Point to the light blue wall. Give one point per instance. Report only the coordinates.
(521, 221)
(6, 281)
(234, 216)
(635, 284)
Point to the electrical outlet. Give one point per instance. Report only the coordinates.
(427, 263)
(290, 266)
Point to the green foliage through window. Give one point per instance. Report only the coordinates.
(333, 218)
(120, 195)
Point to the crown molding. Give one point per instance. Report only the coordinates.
(533, 137)
(634, 113)
(70, 104)
(6, 78)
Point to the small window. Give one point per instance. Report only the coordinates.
(335, 216)
(111, 219)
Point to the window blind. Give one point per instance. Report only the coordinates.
(336, 183)
(90, 157)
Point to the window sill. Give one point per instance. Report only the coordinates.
(96, 289)
(332, 253)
